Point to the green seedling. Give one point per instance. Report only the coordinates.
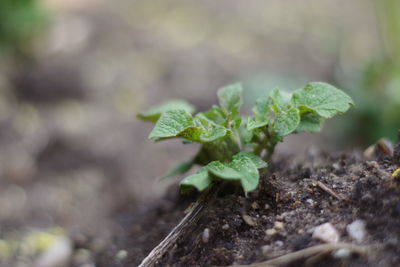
(234, 147)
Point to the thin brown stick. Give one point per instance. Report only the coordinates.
(155, 256)
(309, 252)
(329, 191)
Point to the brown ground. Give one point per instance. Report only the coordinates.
(288, 194)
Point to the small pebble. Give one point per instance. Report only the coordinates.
(310, 201)
(270, 232)
(326, 232)
(385, 146)
(265, 250)
(311, 230)
(205, 237)
(225, 226)
(121, 255)
(255, 206)
(266, 206)
(98, 245)
(81, 256)
(56, 255)
(356, 230)
(279, 243)
(369, 152)
(279, 226)
(342, 253)
(372, 164)
(283, 216)
(336, 166)
(249, 220)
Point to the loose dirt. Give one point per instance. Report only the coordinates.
(295, 196)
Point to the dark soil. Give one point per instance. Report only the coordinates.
(288, 194)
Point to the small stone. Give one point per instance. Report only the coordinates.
(326, 232)
(121, 255)
(205, 237)
(270, 232)
(284, 216)
(265, 250)
(225, 226)
(249, 220)
(266, 206)
(98, 245)
(56, 255)
(342, 253)
(311, 230)
(384, 146)
(81, 256)
(356, 230)
(372, 164)
(310, 201)
(335, 166)
(255, 206)
(369, 152)
(279, 243)
(279, 226)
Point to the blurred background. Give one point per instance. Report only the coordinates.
(74, 73)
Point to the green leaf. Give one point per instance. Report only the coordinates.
(223, 171)
(245, 134)
(262, 114)
(322, 98)
(260, 164)
(154, 113)
(254, 123)
(310, 122)
(262, 107)
(277, 102)
(200, 180)
(241, 168)
(179, 123)
(180, 168)
(230, 98)
(217, 115)
(286, 122)
(209, 130)
(280, 99)
(171, 124)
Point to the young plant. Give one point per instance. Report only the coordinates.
(233, 147)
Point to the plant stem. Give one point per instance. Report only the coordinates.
(268, 143)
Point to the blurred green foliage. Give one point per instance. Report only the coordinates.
(377, 90)
(20, 20)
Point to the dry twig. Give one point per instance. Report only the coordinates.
(308, 253)
(329, 191)
(154, 257)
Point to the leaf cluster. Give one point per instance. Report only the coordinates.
(234, 147)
